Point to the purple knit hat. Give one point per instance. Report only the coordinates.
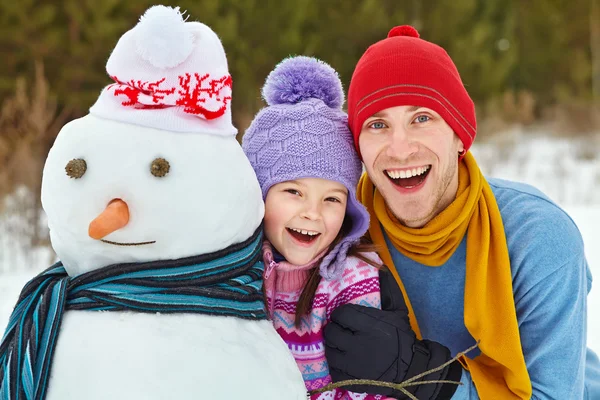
(303, 133)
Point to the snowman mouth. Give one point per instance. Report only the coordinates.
(302, 235)
(127, 244)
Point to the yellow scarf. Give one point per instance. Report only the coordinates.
(489, 315)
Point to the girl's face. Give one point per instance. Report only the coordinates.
(304, 216)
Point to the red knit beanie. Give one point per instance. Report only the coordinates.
(403, 70)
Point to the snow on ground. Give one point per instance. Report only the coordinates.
(10, 287)
(588, 221)
(565, 169)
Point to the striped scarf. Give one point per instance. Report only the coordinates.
(226, 282)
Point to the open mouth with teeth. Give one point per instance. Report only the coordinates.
(302, 235)
(408, 178)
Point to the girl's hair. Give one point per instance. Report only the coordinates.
(310, 288)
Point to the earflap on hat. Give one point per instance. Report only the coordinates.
(169, 74)
(332, 265)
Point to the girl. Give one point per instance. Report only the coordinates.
(302, 152)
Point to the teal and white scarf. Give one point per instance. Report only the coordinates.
(227, 282)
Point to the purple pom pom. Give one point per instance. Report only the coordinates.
(301, 78)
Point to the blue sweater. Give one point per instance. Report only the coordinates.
(551, 280)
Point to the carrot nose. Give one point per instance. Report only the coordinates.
(114, 217)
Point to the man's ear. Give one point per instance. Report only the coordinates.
(461, 148)
(461, 145)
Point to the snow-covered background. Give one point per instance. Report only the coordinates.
(567, 170)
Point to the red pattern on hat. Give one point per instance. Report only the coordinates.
(406, 70)
(192, 94)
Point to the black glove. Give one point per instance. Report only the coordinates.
(368, 343)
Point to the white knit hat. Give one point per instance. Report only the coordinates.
(169, 74)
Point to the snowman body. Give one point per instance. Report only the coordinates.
(126, 355)
(208, 200)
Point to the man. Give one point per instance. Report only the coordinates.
(492, 263)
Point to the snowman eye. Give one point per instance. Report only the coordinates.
(160, 167)
(76, 168)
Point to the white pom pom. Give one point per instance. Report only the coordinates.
(162, 37)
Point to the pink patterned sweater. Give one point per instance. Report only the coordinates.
(359, 284)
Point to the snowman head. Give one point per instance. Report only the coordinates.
(154, 172)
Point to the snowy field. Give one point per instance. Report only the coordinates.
(566, 170)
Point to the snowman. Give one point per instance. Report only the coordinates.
(155, 215)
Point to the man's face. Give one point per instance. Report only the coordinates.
(411, 155)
